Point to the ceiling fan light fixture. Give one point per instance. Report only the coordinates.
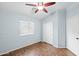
(40, 7)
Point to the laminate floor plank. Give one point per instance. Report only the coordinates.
(40, 49)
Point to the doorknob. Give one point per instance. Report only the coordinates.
(77, 38)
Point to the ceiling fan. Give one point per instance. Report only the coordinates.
(40, 6)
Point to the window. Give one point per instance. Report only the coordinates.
(26, 28)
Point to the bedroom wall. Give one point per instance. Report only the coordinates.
(10, 38)
(61, 16)
(57, 32)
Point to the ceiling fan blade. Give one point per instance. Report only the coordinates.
(45, 10)
(30, 4)
(49, 4)
(36, 10)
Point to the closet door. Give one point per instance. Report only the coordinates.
(48, 32)
(73, 34)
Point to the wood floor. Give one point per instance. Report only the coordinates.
(40, 49)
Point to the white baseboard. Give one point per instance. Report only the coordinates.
(5, 52)
(76, 53)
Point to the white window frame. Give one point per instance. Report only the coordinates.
(26, 28)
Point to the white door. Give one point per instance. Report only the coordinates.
(72, 34)
(48, 32)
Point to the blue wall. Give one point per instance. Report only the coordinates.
(9, 31)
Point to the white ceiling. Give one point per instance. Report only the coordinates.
(20, 7)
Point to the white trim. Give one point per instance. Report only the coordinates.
(73, 51)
